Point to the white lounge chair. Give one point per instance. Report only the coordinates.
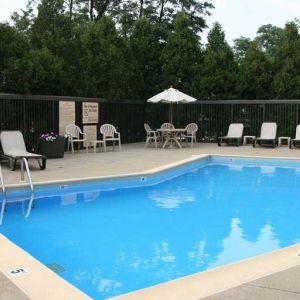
(297, 137)
(110, 133)
(267, 134)
(235, 133)
(14, 149)
(190, 133)
(75, 135)
(151, 135)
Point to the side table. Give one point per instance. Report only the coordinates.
(284, 138)
(248, 137)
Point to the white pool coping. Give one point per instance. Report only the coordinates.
(42, 283)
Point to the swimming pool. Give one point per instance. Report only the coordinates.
(116, 236)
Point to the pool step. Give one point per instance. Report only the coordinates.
(56, 268)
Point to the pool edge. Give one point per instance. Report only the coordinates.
(39, 282)
(207, 283)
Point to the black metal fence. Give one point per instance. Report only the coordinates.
(34, 115)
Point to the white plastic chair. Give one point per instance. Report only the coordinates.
(164, 135)
(110, 133)
(235, 132)
(74, 133)
(167, 126)
(151, 135)
(267, 134)
(190, 133)
(297, 137)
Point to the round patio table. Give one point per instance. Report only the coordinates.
(172, 136)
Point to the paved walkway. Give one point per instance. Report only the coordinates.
(284, 285)
(132, 158)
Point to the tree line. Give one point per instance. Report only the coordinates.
(131, 50)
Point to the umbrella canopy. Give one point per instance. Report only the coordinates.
(171, 96)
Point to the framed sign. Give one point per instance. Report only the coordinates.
(66, 115)
(91, 133)
(89, 112)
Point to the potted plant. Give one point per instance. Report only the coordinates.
(52, 145)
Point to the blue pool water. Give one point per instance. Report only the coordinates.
(112, 241)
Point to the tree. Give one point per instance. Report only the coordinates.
(181, 56)
(241, 46)
(286, 84)
(255, 76)
(108, 62)
(39, 72)
(268, 37)
(218, 70)
(13, 45)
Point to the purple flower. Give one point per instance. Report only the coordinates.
(50, 137)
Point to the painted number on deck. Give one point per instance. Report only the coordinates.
(18, 272)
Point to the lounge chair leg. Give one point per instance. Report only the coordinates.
(104, 146)
(43, 164)
(119, 145)
(219, 142)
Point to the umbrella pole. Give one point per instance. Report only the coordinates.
(171, 113)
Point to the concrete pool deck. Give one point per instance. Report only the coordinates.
(134, 158)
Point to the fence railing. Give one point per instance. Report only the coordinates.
(34, 115)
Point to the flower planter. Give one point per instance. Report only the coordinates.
(53, 149)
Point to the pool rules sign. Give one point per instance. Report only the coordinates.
(90, 112)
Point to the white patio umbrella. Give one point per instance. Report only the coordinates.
(171, 96)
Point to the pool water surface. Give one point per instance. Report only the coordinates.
(112, 241)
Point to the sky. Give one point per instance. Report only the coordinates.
(237, 17)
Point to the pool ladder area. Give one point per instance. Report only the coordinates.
(24, 163)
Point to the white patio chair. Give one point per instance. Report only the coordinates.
(110, 133)
(14, 149)
(151, 135)
(267, 134)
(297, 137)
(165, 126)
(75, 135)
(235, 133)
(190, 133)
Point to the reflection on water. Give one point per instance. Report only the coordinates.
(171, 198)
(127, 239)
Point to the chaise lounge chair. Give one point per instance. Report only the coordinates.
(297, 137)
(235, 133)
(267, 134)
(14, 149)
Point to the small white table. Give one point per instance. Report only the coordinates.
(94, 144)
(248, 137)
(284, 138)
(171, 136)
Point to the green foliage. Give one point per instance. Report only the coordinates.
(39, 72)
(218, 71)
(241, 45)
(286, 82)
(145, 46)
(108, 60)
(269, 37)
(13, 45)
(119, 49)
(255, 76)
(181, 55)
